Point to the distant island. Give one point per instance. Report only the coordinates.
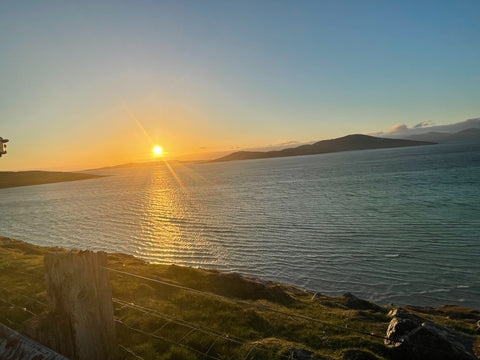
(345, 143)
(470, 134)
(146, 164)
(26, 178)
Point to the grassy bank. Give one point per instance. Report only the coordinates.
(26, 178)
(157, 321)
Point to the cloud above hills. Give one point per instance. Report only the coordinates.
(424, 124)
(402, 130)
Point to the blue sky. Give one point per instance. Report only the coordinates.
(98, 82)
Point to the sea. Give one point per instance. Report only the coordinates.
(395, 226)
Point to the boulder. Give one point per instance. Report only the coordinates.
(412, 337)
(353, 302)
(298, 354)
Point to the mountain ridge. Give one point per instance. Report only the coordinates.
(435, 136)
(345, 143)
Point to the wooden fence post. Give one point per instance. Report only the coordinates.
(80, 298)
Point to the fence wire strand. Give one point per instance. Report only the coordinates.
(159, 337)
(194, 328)
(25, 296)
(18, 306)
(259, 306)
(37, 274)
(285, 313)
(131, 352)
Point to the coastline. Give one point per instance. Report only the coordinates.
(10, 179)
(345, 322)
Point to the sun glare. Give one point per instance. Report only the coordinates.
(157, 150)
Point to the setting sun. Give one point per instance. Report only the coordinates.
(157, 150)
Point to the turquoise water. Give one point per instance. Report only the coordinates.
(393, 225)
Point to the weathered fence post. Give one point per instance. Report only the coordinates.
(80, 297)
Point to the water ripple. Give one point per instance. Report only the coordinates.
(393, 225)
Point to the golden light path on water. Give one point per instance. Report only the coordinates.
(373, 223)
(167, 208)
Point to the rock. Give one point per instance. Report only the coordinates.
(412, 337)
(353, 302)
(245, 287)
(298, 354)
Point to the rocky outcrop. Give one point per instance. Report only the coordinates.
(412, 337)
(353, 302)
(245, 287)
(298, 354)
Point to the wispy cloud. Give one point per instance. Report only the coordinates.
(423, 124)
(399, 128)
(284, 143)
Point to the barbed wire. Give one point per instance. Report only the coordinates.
(285, 313)
(163, 338)
(18, 306)
(24, 296)
(236, 340)
(249, 351)
(131, 352)
(211, 347)
(259, 306)
(207, 331)
(193, 327)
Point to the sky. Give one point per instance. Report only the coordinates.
(95, 83)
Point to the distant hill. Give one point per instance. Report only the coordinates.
(467, 134)
(433, 136)
(148, 164)
(346, 143)
(26, 178)
(130, 165)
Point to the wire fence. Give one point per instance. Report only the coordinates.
(251, 349)
(193, 328)
(17, 305)
(22, 287)
(255, 305)
(171, 330)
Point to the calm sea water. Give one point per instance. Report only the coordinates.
(395, 225)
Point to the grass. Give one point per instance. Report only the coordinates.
(224, 329)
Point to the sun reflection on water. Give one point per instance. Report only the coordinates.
(172, 220)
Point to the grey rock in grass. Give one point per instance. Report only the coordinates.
(412, 337)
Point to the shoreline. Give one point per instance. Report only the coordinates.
(227, 273)
(263, 279)
(9, 179)
(343, 324)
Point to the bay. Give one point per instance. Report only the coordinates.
(395, 226)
